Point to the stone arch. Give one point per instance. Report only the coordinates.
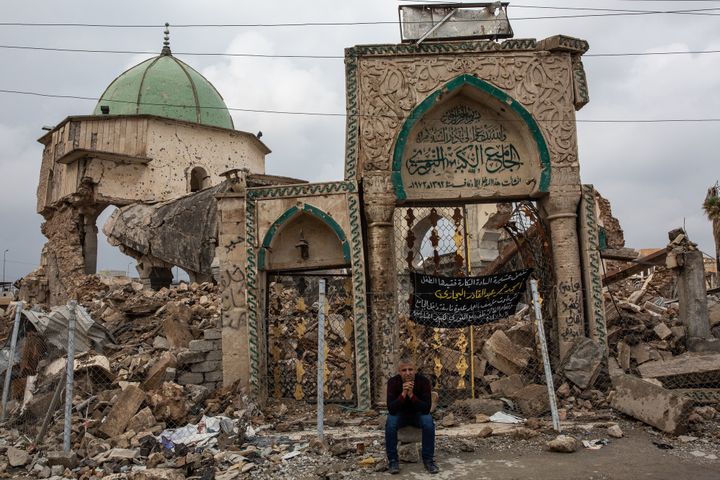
(483, 92)
(197, 179)
(328, 245)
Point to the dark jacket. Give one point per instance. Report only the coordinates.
(418, 402)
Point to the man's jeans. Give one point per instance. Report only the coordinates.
(395, 422)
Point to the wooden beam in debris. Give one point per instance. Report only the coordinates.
(621, 254)
(637, 266)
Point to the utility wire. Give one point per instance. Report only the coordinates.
(604, 13)
(320, 57)
(336, 114)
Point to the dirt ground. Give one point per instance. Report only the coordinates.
(633, 457)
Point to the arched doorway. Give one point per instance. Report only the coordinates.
(303, 247)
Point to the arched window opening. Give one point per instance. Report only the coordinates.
(199, 179)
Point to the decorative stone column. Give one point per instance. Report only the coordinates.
(561, 207)
(232, 254)
(379, 205)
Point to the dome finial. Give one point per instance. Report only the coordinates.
(166, 42)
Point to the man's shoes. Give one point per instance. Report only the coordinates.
(431, 467)
(394, 467)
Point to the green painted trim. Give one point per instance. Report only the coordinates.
(301, 190)
(332, 224)
(360, 324)
(292, 212)
(256, 342)
(458, 82)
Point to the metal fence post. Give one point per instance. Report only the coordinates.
(545, 355)
(11, 359)
(321, 359)
(70, 369)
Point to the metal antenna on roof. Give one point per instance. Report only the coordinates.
(166, 42)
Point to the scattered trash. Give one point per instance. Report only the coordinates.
(502, 417)
(596, 444)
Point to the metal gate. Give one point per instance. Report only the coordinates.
(434, 240)
(292, 329)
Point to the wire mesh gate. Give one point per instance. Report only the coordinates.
(434, 240)
(292, 326)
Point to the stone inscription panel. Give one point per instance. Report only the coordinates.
(464, 149)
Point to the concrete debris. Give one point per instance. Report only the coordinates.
(654, 405)
(615, 431)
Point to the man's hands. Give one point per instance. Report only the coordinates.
(408, 389)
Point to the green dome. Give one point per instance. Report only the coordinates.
(166, 87)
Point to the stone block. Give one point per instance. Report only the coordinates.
(212, 334)
(202, 345)
(188, 357)
(533, 400)
(142, 420)
(59, 457)
(156, 375)
(504, 355)
(175, 325)
(190, 378)
(214, 355)
(507, 386)
(17, 457)
(205, 366)
(662, 331)
(215, 376)
(122, 411)
(409, 434)
(409, 453)
(583, 363)
(663, 409)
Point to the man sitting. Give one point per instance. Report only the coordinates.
(408, 400)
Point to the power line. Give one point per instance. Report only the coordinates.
(318, 57)
(605, 13)
(337, 114)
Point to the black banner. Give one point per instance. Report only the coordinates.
(455, 302)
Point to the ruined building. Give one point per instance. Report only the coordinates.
(453, 139)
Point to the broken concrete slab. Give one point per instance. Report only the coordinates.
(156, 374)
(583, 363)
(684, 370)
(651, 404)
(124, 409)
(504, 355)
(142, 420)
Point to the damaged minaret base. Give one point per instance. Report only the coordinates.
(684, 257)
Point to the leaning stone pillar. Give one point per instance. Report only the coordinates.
(561, 208)
(379, 205)
(687, 261)
(232, 254)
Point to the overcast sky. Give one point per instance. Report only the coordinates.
(655, 174)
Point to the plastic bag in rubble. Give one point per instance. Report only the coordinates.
(201, 435)
(502, 417)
